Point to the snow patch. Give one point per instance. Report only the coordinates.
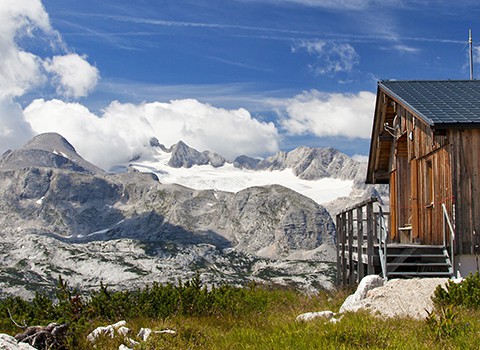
(231, 179)
(60, 154)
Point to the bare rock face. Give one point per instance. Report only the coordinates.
(307, 163)
(47, 150)
(246, 162)
(129, 229)
(185, 156)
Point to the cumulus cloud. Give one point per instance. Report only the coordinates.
(14, 130)
(123, 131)
(322, 114)
(360, 158)
(75, 76)
(21, 71)
(332, 57)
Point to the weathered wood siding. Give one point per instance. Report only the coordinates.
(466, 183)
(421, 180)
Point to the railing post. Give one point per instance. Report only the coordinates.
(338, 244)
(448, 223)
(351, 275)
(360, 268)
(343, 245)
(382, 242)
(370, 242)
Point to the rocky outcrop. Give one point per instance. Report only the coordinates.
(185, 156)
(307, 163)
(256, 220)
(246, 162)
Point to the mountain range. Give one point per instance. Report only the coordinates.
(61, 215)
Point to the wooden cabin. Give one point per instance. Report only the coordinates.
(426, 145)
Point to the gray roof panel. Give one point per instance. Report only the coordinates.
(438, 101)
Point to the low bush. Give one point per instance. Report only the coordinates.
(466, 293)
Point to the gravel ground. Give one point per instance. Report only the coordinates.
(402, 297)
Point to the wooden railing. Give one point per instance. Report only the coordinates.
(382, 241)
(357, 236)
(447, 223)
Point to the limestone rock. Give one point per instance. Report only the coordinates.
(366, 284)
(8, 342)
(309, 316)
(185, 156)
(129, 229)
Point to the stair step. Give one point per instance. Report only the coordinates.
(420, 273)
(417, 264)
(416, 256)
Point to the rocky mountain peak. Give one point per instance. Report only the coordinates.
(307, 163)
(47, 150)
(184, 156)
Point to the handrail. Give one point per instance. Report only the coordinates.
(446, 219)
(382, 241)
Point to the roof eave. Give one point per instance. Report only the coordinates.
(404, 103)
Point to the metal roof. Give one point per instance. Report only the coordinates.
(438, 101)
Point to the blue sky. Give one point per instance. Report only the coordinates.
(233, 76)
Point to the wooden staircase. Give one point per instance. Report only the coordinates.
(411, 260)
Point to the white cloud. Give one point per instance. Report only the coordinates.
(20, 70)
(322, 114)
(332, 57)
(406, 49)
(334, 4)
(361, 158)
(124, 130)
(476, 54)
(75, 76)
(14, 130)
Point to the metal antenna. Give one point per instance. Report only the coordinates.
(470, 44)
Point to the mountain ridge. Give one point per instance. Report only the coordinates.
(130, 229)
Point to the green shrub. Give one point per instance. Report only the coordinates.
(444, 323)
(466, 293)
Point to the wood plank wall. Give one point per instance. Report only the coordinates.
(421, 178)
(466, 183)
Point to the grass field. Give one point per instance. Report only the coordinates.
(230, 318)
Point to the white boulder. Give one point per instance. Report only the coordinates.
(327, 315)
(8, 342)
(144, 333)
(366, 284)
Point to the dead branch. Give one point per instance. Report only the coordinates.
(15, 323)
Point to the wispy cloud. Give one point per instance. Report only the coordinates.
(406, 48)
(332, 57)
(359, 5)
(259, 32)
(350, 5)
(239, 64)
